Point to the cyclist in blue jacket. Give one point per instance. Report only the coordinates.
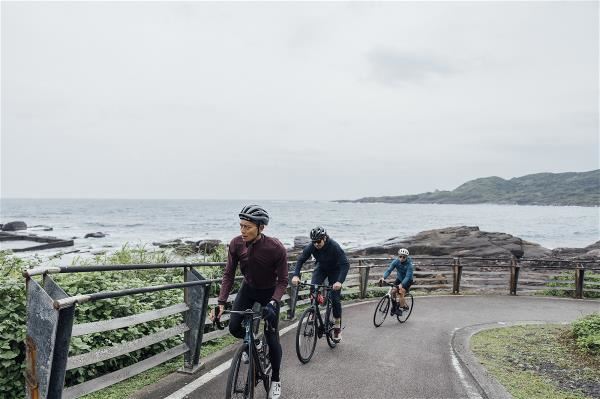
(404, 278)
(330, 263)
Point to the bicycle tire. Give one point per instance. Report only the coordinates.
(406, 313)
(306, 333)
(246, 389)
(329, 324)
(381, 311)
(266, 377)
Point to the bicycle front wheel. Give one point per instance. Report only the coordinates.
(306, 335)
(240, 383)
(405, 313)
(329, 325)
(381, 311)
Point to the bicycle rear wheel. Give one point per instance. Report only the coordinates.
(381, 311)
(405, 314)
(306, 335)
(240, 383)
(329, 324)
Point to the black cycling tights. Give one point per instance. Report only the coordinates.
(245, 299)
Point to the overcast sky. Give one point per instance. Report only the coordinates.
(292, 100)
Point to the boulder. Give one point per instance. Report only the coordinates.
(301, 241)
(460, 241)
(97, 234)
(590, 252)
(41, 227)
(14, 226)
(168, 244)
(207, 246)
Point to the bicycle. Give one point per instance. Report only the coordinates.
(241, 382)
(383, 307)
(312, 326)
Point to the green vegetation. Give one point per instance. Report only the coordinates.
(12, 292)
(12, 313)
(582, 189)
(586, 332)
(542, 361)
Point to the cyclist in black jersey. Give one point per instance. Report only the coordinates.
(263, 263)
(331, 263)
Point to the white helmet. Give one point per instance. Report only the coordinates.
(403, 251)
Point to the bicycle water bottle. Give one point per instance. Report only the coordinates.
(320, 299)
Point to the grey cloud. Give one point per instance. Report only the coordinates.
(392, 68)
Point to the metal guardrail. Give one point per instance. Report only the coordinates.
(50, 310)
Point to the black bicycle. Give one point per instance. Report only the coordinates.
(384, 305)
(312, 326)
(251, 363)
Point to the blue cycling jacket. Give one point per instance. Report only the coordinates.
(404, 270)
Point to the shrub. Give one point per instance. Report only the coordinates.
(586, 332)
(13, 312)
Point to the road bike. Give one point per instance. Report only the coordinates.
(251, 363)
(311, 325)
(385, 304)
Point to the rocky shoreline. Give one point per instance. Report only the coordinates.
(461, 241)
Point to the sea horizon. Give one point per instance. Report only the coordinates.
(353, 225)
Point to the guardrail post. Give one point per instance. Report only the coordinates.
(363, 279)
(196, 297)
(48, 338)
(456, 272)
(579, 272)
(292, 292)
(514, 275)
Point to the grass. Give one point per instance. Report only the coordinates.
(538, 361)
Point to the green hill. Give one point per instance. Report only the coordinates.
(572, 188)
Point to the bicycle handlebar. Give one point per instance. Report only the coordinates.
(247, 312)
(327, 287)
(381, 283)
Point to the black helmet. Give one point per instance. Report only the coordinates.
(317, 233)
(255, 214)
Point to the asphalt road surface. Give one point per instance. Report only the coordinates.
(410, 360)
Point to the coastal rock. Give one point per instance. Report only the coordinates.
(208, 246)
(301, 241)
(590, 252)
(97, 234)
(41, 227)
(14, 226)
(460, 241)
(168, 244)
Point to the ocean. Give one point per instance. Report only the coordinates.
(353, 225)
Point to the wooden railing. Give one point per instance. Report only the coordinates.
(50, 310)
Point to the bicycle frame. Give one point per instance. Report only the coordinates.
(314, 303)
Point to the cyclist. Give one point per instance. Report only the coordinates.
(331, 263)
(263, 263)
(404, 278)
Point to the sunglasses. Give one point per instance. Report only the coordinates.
(317, 241)
(402, 257)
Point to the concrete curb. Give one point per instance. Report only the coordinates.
(485, 383)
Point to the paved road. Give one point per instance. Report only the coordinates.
(410, 360)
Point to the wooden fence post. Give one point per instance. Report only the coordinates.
(579, 272)
(363, 279)
(456, 274)
(514, 275)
